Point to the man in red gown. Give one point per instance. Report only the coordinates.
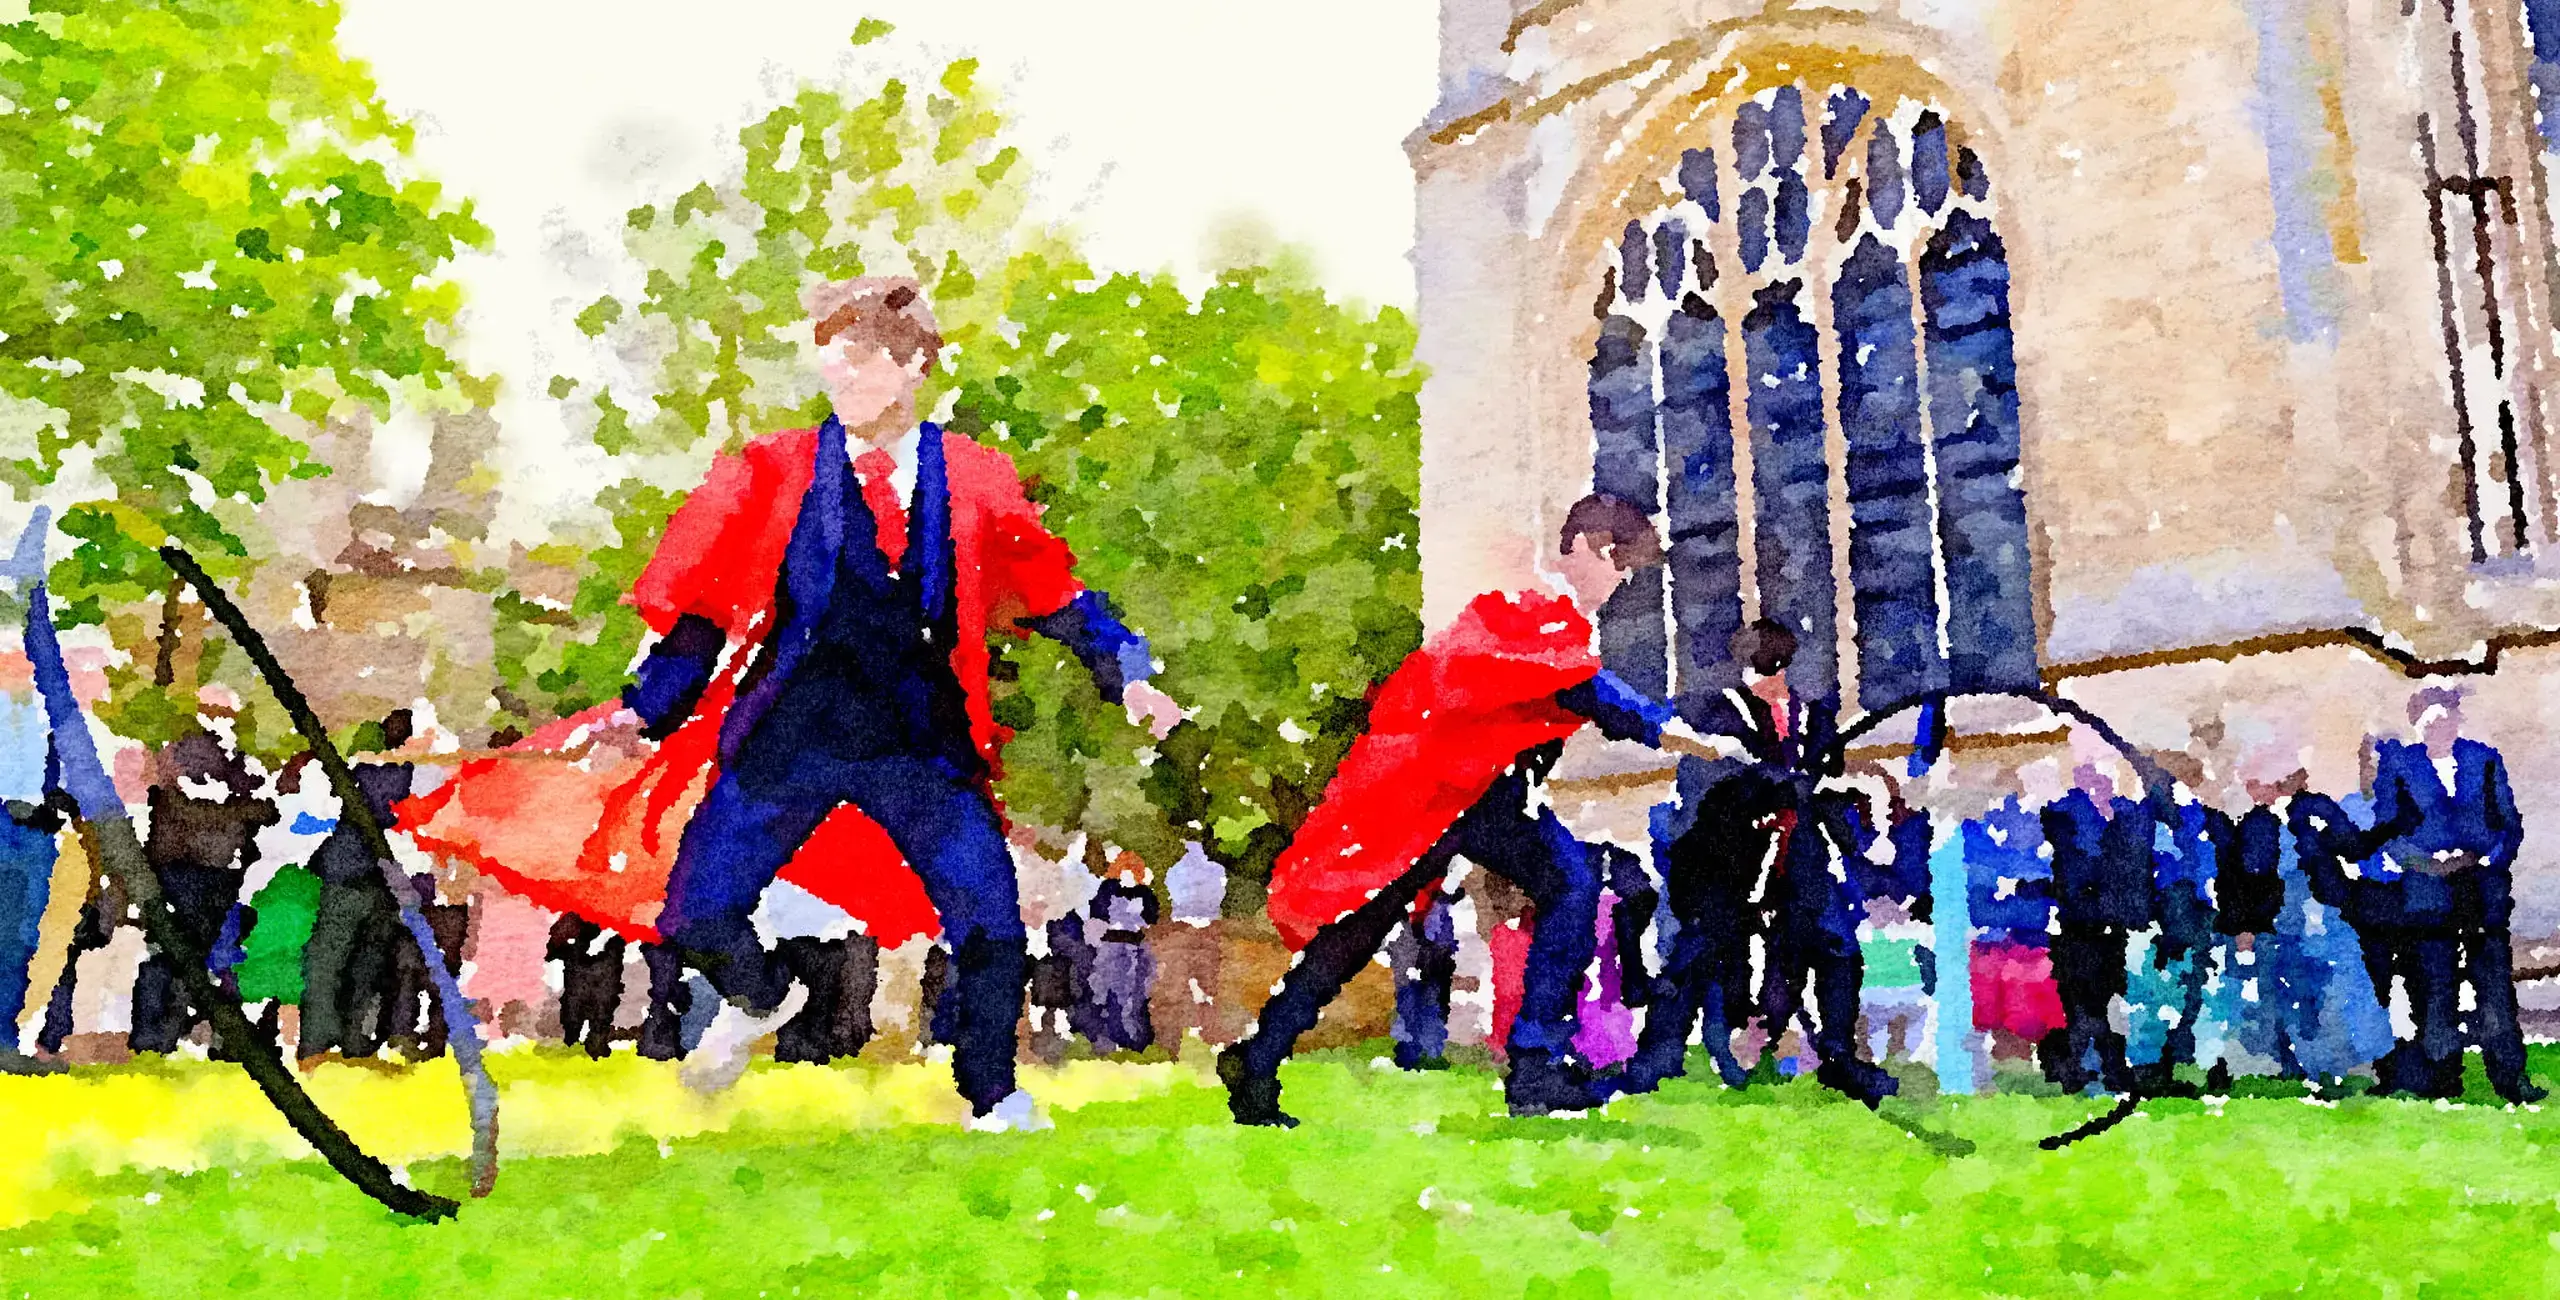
(818, 698)
(1460, 738)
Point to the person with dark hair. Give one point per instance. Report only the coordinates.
(2318, 1013)
(1736, 866)
(1460, 738)
(346, 966)
(1058, 993)
(204, 823)
(2173, 962)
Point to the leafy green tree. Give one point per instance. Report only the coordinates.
(211, 240)
(827, 185)
(1238, 469)
(1240, 472)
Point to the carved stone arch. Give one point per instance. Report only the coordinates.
(1803, 362)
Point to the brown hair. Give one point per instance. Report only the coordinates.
(1615, 525)
(887, 311)
(1765, 647)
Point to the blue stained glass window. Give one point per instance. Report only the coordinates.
(1750, 142)
(1705, 558)
(1670, 256)
(1973, 412)
(1839, 126)
(1698, 180)
(1673, 453)
(1885, 188)
(1929, 163)
(1751, 222)
(1794, 217)
(1786, 128)
(1970, 176)
(2542, 26)
(1891, 569)
(1632, 639)
(1791, 483)
(1631, 262)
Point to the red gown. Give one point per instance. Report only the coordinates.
(1443, 726)
(599, 838)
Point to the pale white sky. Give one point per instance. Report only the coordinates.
(1150, 121)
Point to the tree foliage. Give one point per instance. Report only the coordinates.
(1238, 469)
(713, 349)
(210, 238)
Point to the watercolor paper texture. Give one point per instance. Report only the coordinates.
(1578, 648)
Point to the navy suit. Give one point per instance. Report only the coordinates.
(1512, 833)
(853, 699)
(2453, 926)
(2102, 875)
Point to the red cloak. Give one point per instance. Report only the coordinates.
(1444, 725)
(599, 837)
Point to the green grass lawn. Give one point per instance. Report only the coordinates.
(1402, 1184)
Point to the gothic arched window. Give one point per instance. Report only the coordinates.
(1872, 450)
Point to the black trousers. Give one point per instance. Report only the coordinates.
(412, 1013)
(163, 1014)
(1803, 950)
(346, 968)
(2435, 963)
(841, 975)
(590, 996)
(1706, 974)
(1499, 833)
(2088, 965)
(670, 998)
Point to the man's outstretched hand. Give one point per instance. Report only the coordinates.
(1151, 708)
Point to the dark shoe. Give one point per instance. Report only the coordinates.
(1862, 1080)
(2522, 1092)
(2445, 1082)
(2396, 1074)
(1644, 1072)
(2217, 1080)
(1541, 1085)
(1407, 1059)
(1252, 1099)
(1730, 1073)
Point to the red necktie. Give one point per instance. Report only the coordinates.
(878, 492)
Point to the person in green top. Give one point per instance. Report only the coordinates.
(285, 908)
(1900, 975)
